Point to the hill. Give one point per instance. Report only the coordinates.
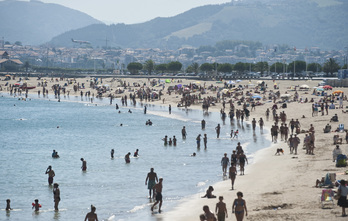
(300, 23)
(36, 23)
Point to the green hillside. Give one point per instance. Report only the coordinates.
(302, 23)
(35, 22)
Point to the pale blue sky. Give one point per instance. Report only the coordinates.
(132, 11)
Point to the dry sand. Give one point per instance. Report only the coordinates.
(274, 187)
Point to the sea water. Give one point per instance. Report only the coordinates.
(77, 128)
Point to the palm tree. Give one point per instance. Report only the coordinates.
(331, 66)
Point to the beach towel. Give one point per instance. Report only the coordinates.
(341, 160)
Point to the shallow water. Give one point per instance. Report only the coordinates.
(29, 133)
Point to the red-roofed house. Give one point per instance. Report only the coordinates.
(6, 61)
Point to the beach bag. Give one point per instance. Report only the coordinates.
(341, 160)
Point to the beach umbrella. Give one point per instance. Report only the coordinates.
(219, 82)
(7, 75)
(238, 81)
(179, 86)
(231, 82)
(106, 85)
(327, 87)
(319, 89)
(338, 92)
(304, 86)
(168, 81)
(186, 89)
(197, 82)
(256, 96)
(259, 82)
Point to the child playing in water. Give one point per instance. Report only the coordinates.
(36, 205)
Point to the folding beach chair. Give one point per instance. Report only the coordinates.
(326, 197)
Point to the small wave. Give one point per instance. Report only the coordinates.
(137, 208)
(200, 184)
(21, 119)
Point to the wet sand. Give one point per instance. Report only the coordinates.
(274, 187)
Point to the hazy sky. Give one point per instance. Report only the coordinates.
(132, 11)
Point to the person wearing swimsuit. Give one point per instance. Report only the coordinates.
(238, 207)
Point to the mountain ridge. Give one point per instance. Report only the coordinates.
(35, 22)
(309, 23)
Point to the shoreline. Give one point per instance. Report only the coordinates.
(274, 187)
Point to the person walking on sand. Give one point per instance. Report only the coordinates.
(51, 174)
(233, 173)
(239, 206)
(84, 164)
(224, 163)
(158, 188)
(209, 216)
(152, 178)
(91, 216)
(217, 128)
(221, 210)
(56, 195)
(342, 201)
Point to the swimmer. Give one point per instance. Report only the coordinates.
(129, 111)
(91, 216)
(193, 155)
(84, 164)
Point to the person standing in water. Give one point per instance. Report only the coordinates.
(158, 188)
(205, 141)
(84, 164)
(203, 124)
(152, 178)
(224, 163)
(127, 157)
(91, 216)
(112, 153)
(51, 174)
(217, 128)
(56, 195)
(170, 109)
(198, 141)
(183, 132)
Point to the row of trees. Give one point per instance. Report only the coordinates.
(330, 67)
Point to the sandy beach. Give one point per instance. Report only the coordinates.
(274, 187)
